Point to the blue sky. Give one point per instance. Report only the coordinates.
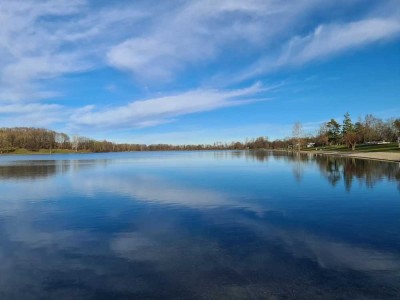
(196, 71)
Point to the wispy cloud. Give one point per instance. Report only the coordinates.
(32, 114)
(147, 113)
(194, 32)
(335, 38)
(201, 31)
(325, 41)
(27, 49)
(48, 39)
(154, 111)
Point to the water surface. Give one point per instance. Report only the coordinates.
(198, 225)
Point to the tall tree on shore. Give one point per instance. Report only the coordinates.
(347, 124)
(333, 131)
(350, 132)
(396, 124)
(322, 137)
(297, 134)
(371, 128)
(75, 141)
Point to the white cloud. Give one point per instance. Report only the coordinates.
(202, 31)
(137, 114)
(48, 39)
(32, 114)
(332, 39)
(199, 31)
(28, 108)
(327, 252)
(27, 50)
(325, 41)
(153, 111)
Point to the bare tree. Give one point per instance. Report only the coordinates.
(75, 141)
(297, 134)
(351, 138)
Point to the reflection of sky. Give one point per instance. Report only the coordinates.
(208, 225)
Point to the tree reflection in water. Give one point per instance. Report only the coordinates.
(334, 169)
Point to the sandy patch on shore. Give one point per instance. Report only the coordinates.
(387, 156)
(392, 156)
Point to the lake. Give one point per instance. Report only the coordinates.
(198, 225)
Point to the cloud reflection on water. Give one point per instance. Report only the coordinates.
(126, 228)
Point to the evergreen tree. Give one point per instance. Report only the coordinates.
(348, 126)
(333, 131)
(350, 132)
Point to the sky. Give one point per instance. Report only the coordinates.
(196, 71)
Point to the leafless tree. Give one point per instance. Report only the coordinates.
(297, 134)
(75, 142)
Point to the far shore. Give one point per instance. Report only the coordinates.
(381, 156)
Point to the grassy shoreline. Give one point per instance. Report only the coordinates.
(391, 147)
(382, 152)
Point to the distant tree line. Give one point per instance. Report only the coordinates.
(367, 130)
(35, 139)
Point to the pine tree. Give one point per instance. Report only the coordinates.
(333, 131)
(348, 126)
(349, 134)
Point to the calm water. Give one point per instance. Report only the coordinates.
(198, 225)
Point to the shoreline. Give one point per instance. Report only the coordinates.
(380, 156)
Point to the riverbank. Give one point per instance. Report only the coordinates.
(384, 152)
(383, 156)
(377, 155)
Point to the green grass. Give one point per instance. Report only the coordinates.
(392, 147)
